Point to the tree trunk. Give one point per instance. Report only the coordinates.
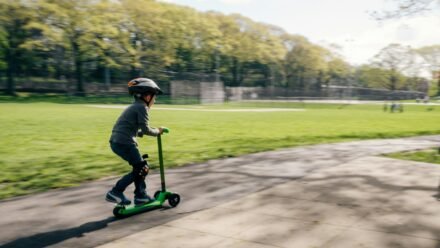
(10, 90)
(438, 83)
(107, 78)
(134, 71)
(59, 63)
(301, 83)
(393, 83)
(241, 73)
(217, 66)
(235, 72)
(78, 70)
(79, 79)
(268, 77)
(10, 72)
(393, 80)
(319, 82)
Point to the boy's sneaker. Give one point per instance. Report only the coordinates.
(117, 197)
(142, 199)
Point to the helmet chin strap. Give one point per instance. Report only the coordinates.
(147, 102)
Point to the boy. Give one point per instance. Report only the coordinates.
(134, 122)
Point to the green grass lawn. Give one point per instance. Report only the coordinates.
(51, 145)
(428, 156)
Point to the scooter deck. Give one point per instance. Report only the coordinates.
(128, 210)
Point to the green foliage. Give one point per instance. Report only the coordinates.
(98, 40)
(14, 17)
(304, 62)
(428, 156)
(59, 145)
(394, 60)
(434, 90)
(376, 77)
(431, 56)
(338, 69)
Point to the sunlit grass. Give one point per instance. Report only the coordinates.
(48, 145)
(428, 156)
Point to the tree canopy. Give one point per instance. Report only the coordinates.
(115, 40)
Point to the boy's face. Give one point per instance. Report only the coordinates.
(150, 99)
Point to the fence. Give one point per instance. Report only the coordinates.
(332, 92)
(205, 89)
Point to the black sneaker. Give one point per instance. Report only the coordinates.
(115, 197)
(143, 199)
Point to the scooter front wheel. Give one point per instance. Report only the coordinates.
(174, 200)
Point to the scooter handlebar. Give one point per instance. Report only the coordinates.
(166, 130)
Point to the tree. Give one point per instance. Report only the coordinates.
(155, 30)
(305, 64)
(375, 77)
(406, 8)
(431, 55)
(237, 44)
(250, 50)
(196, 45)
(89, 39)
(70, 23)
(14, 16)
(271, 51)
(107, 36)
(396, 59)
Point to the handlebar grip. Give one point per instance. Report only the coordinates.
(166, 130)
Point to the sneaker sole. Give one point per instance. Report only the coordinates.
(111, 200)
(120, 203)
(116, 199)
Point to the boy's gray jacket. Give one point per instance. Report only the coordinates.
(133, 118)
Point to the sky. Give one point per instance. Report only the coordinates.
(346, 23)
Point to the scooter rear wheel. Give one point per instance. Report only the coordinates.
(174, 200)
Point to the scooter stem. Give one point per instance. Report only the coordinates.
(162, 170)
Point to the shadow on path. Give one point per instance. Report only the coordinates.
(54, 237)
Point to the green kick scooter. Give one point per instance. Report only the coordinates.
(160, 196)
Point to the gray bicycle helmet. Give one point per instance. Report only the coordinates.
(143, 86)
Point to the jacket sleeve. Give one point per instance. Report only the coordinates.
(143, 123)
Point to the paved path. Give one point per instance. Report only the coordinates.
(335, 195)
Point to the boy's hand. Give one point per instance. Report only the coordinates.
(160, 130)
(140, 133)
